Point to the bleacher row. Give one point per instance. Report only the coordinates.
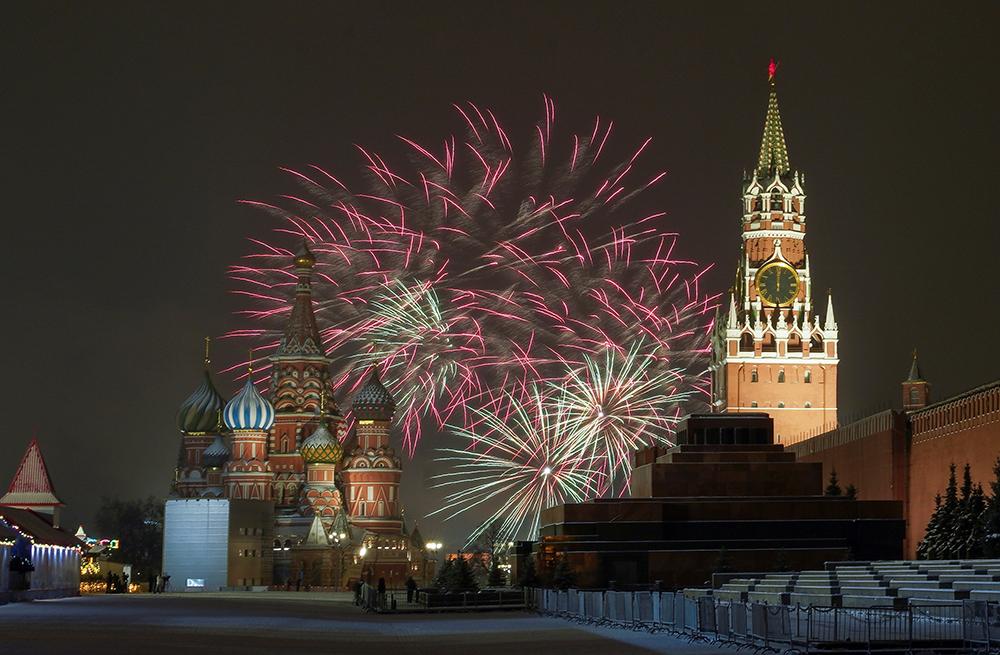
(870, 584)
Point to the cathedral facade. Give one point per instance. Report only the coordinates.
(334, 496)
(772, 351)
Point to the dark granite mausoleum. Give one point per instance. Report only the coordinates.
(725, 498)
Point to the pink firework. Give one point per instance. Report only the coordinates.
(479, 266)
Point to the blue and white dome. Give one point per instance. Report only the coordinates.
(248, 410)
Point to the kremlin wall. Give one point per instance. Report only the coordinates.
(904, 455)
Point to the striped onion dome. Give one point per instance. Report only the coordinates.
(373, 400)
(200, 412)
(248, 410)
(216, 454)
(321, 447)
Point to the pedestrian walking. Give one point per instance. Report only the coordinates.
(411, 589)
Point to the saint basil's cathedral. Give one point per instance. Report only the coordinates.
(334, 498)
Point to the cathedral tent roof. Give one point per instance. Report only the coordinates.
(301, 337)
(31, 486)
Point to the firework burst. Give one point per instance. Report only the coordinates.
(520, 460)
(618, 403)
(495, 284)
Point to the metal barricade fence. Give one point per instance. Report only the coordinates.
(722, 626)
(593, 605)
(562, 602)
(937, 622)
(642, 607)
(778, 623)
(969, 623)
(680, 611)
(666, 616)
(706, 614)
(739, 620)
(573, 603)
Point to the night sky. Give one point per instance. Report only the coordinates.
(130, 131)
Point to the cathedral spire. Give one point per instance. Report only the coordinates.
(301, 333)
(773, 152)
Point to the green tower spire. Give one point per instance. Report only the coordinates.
(773, 152)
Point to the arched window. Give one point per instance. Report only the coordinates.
(753, 403)
(807, 376)
(808, 404)
(781, 405)
(914, 396)
(361, 508)
(753, 375)
(746, 342)
(777, 203)
(781, 376)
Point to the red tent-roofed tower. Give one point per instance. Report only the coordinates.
(32, 487)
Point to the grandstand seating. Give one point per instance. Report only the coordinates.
(869, 584)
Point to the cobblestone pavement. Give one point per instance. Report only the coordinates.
(281, 622)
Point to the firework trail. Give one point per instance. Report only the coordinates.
(521, 461)
(488, 281)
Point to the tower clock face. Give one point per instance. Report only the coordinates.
(777, 283)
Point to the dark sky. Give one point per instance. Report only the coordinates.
(130, 130)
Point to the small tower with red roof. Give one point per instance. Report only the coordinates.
(32, 487)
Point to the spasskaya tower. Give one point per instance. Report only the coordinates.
(771, 352)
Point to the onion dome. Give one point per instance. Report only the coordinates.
(248, 410)
(200, 412)
(373, 402)
(216, 454)
(321, 447)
